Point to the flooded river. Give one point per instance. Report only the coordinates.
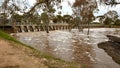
(74, 46)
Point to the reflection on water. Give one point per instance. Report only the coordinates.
(74, 46)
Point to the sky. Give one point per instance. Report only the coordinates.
(104, 9)
(66, 9)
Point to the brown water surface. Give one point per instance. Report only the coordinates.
(74, 46)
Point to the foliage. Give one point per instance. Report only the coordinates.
(67, 18)
(59, 18)
(110, 2)
(3, 19)
(108, 21)
(45, 18)
(17, 17)
(84, 8)
(108, 18)
(117, 22)
(112, 14)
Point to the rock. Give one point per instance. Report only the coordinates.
(112, 47)
(114, 38)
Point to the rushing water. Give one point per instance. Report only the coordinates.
(74, 46)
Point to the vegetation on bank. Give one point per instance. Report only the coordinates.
(48, 60)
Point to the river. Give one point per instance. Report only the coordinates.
(74, 46)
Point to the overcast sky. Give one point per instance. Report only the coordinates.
(104, 9)
(66, 9)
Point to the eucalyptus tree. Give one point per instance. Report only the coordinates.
(45, 20)
(8, 8)
(84, 9)
(117, 22)
(110, 17)
(3, 20)
(47, 7)
(23, 7)
(16, 18)
(59, 19)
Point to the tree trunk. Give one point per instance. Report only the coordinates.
(79, 26)
(47, 27)
(88, 32)
(69, 27)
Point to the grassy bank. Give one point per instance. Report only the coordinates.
(48, 60)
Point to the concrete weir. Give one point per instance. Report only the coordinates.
(37, 28)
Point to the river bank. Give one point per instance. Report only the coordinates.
(112, 47)
(14, 54)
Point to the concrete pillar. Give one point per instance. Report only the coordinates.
(43, 27)
(25, 28)
(49, 28)
(55, 27)
(58, 27)
(22, 28)
(39, 28)
(67, 27)
(52, 27)
(28, 28)
(63, 27)
(31, 28)
(34, 30)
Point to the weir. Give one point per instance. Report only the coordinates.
(37, 28)
(18, 28)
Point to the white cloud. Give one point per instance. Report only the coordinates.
(66, 9)
(31, 2)
(104, 9)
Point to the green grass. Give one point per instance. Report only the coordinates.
(6, 36)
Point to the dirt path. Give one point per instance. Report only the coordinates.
(13, 57)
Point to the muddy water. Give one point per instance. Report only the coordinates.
(74, 46)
